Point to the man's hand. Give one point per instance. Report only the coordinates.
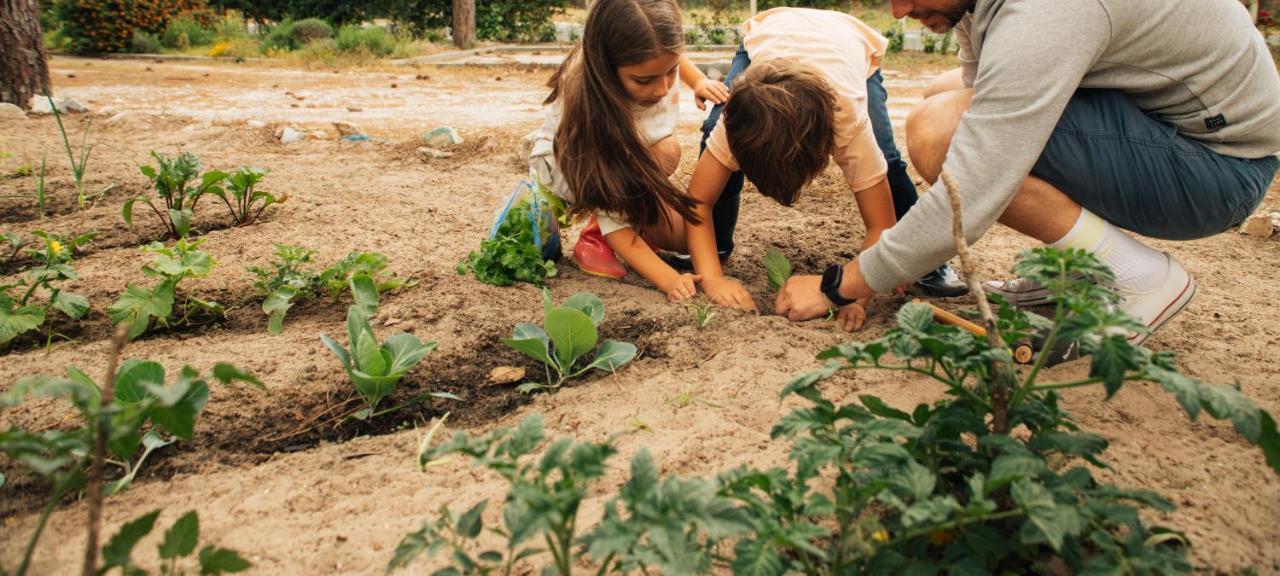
(709, 89)
(729, 293)
(801, 299)
(681, 287)
(851, 318)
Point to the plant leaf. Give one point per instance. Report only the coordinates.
(406, 351)
(181, 538)
(277, 305)
(227, 373)
(613, 355)
(572, 335)
(533, 341)
(338, 351)
(589, 304)
(215, 561)
(16, 321)
(777, 268)
(73, 305)
(364, 293)
(120, 547)
(132, 379)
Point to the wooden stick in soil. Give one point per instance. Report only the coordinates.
(101, 428)
(1002, 379)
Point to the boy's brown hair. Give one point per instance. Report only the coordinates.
(780, 123)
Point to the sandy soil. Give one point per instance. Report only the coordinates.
(272, 475)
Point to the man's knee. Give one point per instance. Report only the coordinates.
(930, 127)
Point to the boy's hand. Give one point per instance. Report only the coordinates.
(709, 89)
(681, 288)
(729, 293)
(851, 318)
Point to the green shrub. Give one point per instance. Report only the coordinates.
(95, 26)
(310, 30)
(184, 33)
(504, 20)
(144, 43)
(375, 40)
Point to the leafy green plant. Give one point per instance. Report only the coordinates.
(179, 184)
(568, 334)
(513, 252)
(38, 180)
(78, 167)
(175, 550)
(139, 307)
(777, 268)
(375, 368)
(139, 405)
(293, 279)
(19, 313)
(246, 202)
(15, 244)
(652, 523)
(338, 277)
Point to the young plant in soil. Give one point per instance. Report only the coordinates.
(179, 185)
(14, 244)
(162, 304)
(292, 279)
(175, 550)
(777, 268)
(78, 167)
(375, 368)
(114, 421)
(703, 314)
(19, 313)
(568, 334)
(995, 478)
(243, 199)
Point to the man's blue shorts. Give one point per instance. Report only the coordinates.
(1140, 174)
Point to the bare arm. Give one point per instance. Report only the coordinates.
(875, 204)
(708, 181)
(703, 88)
(641, 258)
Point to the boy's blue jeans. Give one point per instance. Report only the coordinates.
(725, 213)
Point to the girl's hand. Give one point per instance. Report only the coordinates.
(708, 89)
(851, 318)
(681, 288)
(729, 293)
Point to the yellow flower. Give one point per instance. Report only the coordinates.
(881, 536)
(55, 247)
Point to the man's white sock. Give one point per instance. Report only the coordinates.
(1138, 267)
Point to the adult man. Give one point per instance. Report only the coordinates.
(1082, 118)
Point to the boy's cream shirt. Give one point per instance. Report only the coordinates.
(847, 52)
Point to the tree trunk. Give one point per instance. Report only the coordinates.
(464, 24)
(24, 71)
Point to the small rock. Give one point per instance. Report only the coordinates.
(1259, 226)
(394, 85)
(347, 128)
(442, 136)
(11, 112)
(72, 105)
(354, 109)
(71, 75)
(433, 154)
(256, 124)
(40, 105)
(408, 326)
(422, 77)
(289, 135)
(506, 375)
(320, 135)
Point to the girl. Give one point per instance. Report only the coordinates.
(607, 145)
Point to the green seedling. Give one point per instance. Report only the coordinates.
(652, 524)
(703, 313)
(38, 181)
(777, 268)
(568, 334)
(338, 277)
(179, 184)
(78, 167)
(175, 549)
(139, 307)
(243, 199)
(141, 405)
(19, 312)
(15, 243)
(288, 282)
(375, 369)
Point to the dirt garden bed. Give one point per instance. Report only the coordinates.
(279, 477)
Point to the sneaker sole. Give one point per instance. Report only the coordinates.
(1025, 299)
(1176, 306)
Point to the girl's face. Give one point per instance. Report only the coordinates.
(648, 82)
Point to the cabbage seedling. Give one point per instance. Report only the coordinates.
(179, 184)
(375, 368)
(777, 268)
(241, 195)
(568, 334)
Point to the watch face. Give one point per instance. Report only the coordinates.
(831, 278)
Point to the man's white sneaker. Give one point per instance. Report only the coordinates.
(1020, 292)
(1158, 306)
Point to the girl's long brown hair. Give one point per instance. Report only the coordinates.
(598, 146)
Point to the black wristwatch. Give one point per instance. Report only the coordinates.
(830, 286)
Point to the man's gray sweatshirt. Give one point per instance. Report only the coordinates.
(1185, 62)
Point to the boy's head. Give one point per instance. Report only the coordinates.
(780, 123)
